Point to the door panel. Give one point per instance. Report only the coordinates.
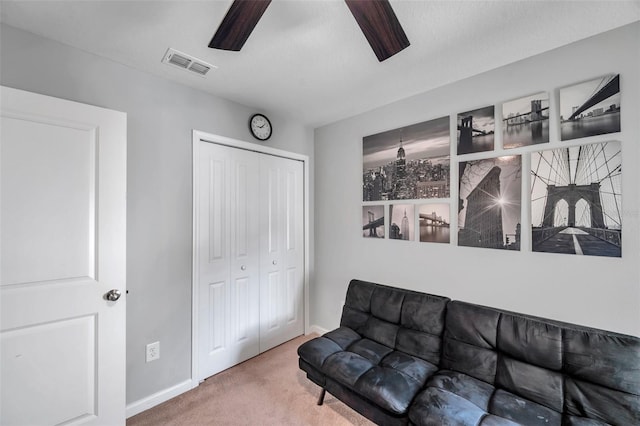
(63, 234)
(273, 210)
(77, 376)
(292, 222)
(229, 316)
(282, 252)
(54, 203)
(217, 317)
(217, 212)
(293, 295)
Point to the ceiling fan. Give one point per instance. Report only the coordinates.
(376, 19)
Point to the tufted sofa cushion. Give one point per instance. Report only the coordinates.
(387, 346)
(502, 368)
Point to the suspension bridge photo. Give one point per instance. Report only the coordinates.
(576, 200)
(590, 108)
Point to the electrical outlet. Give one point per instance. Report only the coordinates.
(153, 351)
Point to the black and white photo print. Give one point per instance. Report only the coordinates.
(411, 162)
(576, 200)
(590, 108)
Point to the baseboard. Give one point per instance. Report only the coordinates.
(317, 329)
(159, 397)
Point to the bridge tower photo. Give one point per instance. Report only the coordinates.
(576, 200)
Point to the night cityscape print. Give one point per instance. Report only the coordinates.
(489, 204)
(407, 163)
(476, 130)
(525, 121)
(576, 200)
(590, 108)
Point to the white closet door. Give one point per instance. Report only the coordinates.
(281, 250)
(228, 262)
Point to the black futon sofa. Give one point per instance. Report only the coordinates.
(404, 357)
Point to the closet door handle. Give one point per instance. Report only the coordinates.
(243, 267)
(275, 262)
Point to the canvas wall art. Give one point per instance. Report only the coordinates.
(411, 162)
(373, 221)
(590, 108)
(476, 130)
(434, 221)
(576, 200)
(525, 121)
(401, 223)
(489, 204)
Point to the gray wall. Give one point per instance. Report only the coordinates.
(596, 291)
(161, 116)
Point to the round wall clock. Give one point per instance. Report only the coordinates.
(260, 127)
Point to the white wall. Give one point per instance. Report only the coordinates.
(595, 291)
(161, 116)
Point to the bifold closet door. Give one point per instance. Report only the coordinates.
(250, 265)
(281, 250)
(228, 250)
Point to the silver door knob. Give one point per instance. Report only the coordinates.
(275, 262)
(113, 295)
(243, 267)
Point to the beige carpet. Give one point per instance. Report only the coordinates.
(269, 389)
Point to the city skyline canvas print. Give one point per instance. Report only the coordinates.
(489, 204)
(401, 223)
(373, 221)
(590, 108)
(476, 130)
(525, 121)
(410, 162)
(576, 200)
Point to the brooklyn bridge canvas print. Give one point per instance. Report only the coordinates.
(373, 221)
(434, 223)
(576, 200)
(590, 108)
(525, 121)
(410, 162)
(476, 130)
(489, 204)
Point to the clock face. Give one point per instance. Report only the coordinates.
(260, 127)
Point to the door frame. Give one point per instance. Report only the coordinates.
(199, 136)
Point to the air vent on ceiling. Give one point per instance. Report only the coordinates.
(188, 62)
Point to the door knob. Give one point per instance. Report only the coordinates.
(112, 295)
(243, 267)
(275, 262)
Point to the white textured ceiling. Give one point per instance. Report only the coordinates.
(308, 59)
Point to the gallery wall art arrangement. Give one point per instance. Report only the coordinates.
(576, 196)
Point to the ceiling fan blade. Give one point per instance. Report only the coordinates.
(380, 26)
(238, 23)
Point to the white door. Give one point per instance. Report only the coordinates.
(228, 278)
(63, 236)
(249, 250)
(281, 250)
